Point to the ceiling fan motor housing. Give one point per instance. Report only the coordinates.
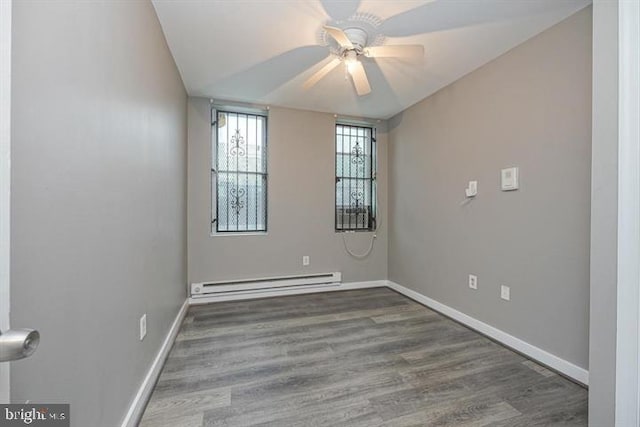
(358, 38)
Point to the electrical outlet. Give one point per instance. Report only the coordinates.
(505, 293)
(473, 281)
(305, 260)
(143, 326)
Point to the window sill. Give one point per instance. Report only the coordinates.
(247, 234)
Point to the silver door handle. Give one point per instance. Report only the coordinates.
(18, 343)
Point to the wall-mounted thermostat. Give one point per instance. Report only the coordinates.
(509, 179)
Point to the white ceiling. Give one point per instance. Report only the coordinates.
(262, 51)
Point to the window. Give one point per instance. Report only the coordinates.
(239, 172)
(355, 178)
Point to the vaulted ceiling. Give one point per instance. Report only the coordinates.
(262, 51)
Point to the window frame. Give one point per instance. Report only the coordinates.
(372, 178)
(215, 172)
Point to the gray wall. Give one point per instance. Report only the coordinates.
(529, 108)
(604, 215)
(301, 201)
(98, 233)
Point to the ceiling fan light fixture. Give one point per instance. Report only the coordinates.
(350, 60)
(352, 44)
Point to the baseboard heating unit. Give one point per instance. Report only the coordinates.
(268, 284)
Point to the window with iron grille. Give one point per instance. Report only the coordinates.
(355, 178)
(239, 172)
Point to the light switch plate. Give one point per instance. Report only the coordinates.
(472, 189)
(509, 179)
(505, 293)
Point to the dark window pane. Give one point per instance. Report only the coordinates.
(240, 173)
(355, 178)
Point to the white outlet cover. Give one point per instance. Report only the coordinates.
(509, 179)
(305, 260)
(473, 281)
(505, 293)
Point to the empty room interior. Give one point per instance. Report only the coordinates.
(319, 213)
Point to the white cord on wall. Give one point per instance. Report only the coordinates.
(363, 256)
(373, 238)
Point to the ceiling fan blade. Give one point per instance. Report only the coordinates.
(397, 51)
(318, 75)
(340, 10)
(449, 15)
(339, 36)
(268, 76)
(360, 80)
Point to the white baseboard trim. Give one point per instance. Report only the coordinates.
(134, 414)
(278, 292)
(556, 363)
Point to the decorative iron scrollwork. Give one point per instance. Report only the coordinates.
(357, 156)
(237, 145)
(237, 199)
(357, 198)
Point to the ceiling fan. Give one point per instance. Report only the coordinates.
(352, 44)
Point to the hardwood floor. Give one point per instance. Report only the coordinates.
(369, 357)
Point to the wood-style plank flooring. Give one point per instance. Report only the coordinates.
(369, 357)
